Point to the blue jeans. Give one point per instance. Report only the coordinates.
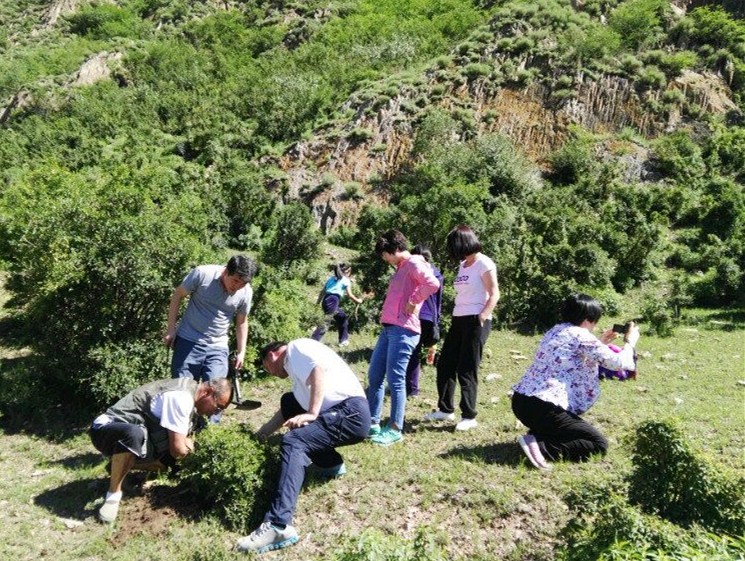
(196, 360)
(389, 361)
(343, 424)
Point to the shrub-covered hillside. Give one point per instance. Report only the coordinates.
(595, 145)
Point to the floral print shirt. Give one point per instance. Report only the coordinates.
(565, 369)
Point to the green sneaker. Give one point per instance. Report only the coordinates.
(387, 437)
(374, 430)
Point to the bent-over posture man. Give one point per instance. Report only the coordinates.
(216, 295)
(151, 426)
(326, 409)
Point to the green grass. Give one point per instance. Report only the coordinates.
(473, 490)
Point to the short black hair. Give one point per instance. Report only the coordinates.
(270, 348)
(580, 307)
(391, 242)
(242, 267)
(462, 242)
(341, 269)
(424, 251)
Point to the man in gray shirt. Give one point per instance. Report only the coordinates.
(216, 294)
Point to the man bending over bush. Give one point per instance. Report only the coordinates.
(327, 408)
(150, 426)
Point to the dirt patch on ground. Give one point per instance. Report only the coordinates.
(153, 511)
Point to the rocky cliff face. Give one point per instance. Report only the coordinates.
(321, 169)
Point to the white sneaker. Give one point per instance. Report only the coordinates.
(267, 537)
(108, 511)
(466, 424)
(439, 416)
(344, 343)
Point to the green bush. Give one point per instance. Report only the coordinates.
(670, 480)
(106, 22)
(294, 238)
(674, 506)
(658, 315)
(281, 310)
(95, 261)
(233, 474)
(639, 22)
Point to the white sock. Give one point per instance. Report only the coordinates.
(113, 496)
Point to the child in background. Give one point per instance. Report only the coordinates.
(336, 287)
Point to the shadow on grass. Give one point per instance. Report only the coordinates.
(357, 355)
(13, 334)
(69, 500)
(80, 461)
(723, 320)
(502, 453)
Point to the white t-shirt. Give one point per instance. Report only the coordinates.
(174, 410)
(303, 355)
(470, 290)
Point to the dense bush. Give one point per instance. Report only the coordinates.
(233, 474)
(95, 260)
(674, 506)
(294, 237)
(670, 480)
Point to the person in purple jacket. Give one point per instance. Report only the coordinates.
(411, 284)
(429, 317)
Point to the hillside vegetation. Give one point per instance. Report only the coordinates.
(594, 145)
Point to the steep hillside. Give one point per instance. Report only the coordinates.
(509, 78)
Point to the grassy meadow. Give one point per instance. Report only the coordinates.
(472, 493)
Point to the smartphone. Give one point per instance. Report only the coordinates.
(621, 328)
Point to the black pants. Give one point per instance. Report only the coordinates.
(459, 359)
(561, 435)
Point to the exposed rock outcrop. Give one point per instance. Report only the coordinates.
(96, 68)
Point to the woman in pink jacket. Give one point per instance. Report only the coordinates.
(411, 284)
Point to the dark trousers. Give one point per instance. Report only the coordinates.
(560, 434)
(346, 423)
(414, 370)
(459, 359)
(330, 305)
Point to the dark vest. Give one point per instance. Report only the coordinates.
(134, 408)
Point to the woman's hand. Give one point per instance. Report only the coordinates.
(608, 336)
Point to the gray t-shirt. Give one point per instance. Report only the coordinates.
(211, 307)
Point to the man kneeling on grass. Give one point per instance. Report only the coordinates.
(149, 427)
(326, 409)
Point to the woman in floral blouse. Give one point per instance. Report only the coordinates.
(562, 383)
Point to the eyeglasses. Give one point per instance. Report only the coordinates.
(217, 409)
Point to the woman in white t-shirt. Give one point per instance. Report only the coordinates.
(337, 286)
(476, 294)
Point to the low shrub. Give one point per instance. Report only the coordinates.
(672, 481)
(372, 545)
(232, 473)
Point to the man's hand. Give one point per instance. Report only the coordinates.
(299, 421)
(169, 337)
(239, 358)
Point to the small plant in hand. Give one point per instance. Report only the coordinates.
(232, 473)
